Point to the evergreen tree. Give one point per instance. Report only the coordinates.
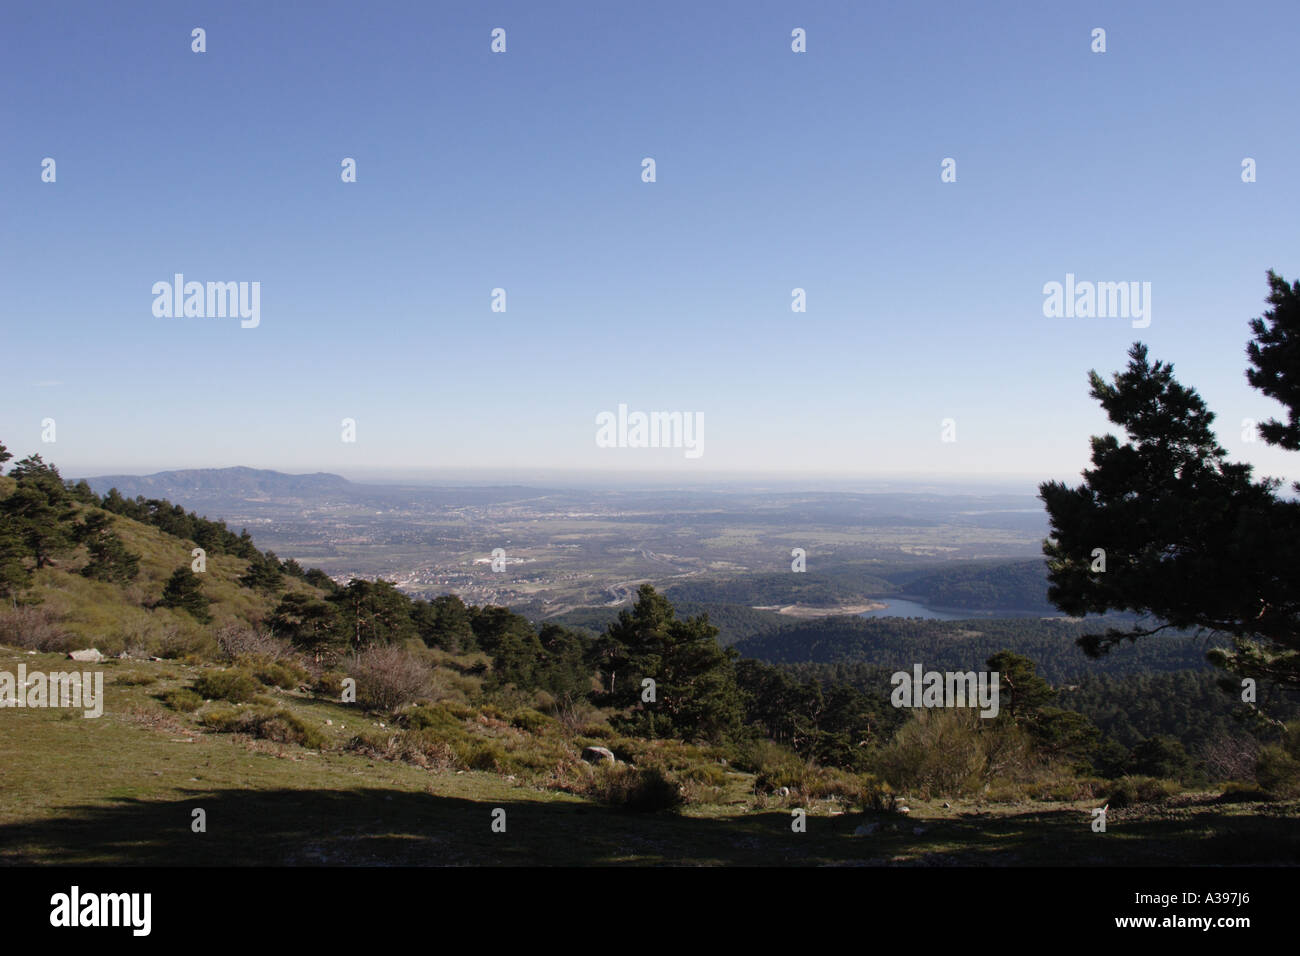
(444, 622)
(184, 590)
(40, 511)
(695, 692)
(109, 558)
(320, 580)
(1189, 538)
(310, 624)
(263, 573)
(372, 612)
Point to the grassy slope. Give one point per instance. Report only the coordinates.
(111, 616)
(120, 789)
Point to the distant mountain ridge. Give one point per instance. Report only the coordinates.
(237, 482)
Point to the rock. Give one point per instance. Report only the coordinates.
(784, 791)
(947, 806)
(904, 810)
(866, 830)
(329, 723)
(917, 831)
(88, 656)
(598, 755)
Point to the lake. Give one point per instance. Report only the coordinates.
(895, 607)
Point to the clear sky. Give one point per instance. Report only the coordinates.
(523, 170)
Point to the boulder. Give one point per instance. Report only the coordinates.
(89, 656)
(598, 755)
(866, 830)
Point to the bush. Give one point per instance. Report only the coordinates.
(1278, 770)
(329, 684)
(34, 628)
(938, 752)
(239, 640)
(532, 721)
(135, 680)
(642, 789)
(482, 755)
(388, 677)
(1244, 793)
(233, 685)
(436, 718)
(279, 726)
(284, 673)
(415, 747)
(1131, 790)
(758, 755)
(181, 699)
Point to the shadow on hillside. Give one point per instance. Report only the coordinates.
(387, 827)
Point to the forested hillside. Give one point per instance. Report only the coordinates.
(1002, 586)
(896, 643)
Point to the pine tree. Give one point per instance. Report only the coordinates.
(109, 558)
(40, 511)
(184, 590)
(1165, 526)
(695, 692)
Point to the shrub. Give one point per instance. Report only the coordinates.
(938, 752)
(279, 726)
(532, 721)
(481, 755)
(434, 717)
(1244, 793)
(1230, 757)
(642, 789)
(388, 677)
(329, 684)
(239, 640)
(1130, 790)
(182, 699)
(458, 710)
(34, 628)
(1278, 769)
(415, 747)
(135, 680)
(877, 796)
(756, 755)
(177, 642)
(284, 673)
(233, 685)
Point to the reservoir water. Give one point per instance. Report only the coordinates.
(896, 608)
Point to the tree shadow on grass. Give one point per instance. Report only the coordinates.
(378, 827)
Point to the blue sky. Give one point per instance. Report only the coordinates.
(522, 170)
